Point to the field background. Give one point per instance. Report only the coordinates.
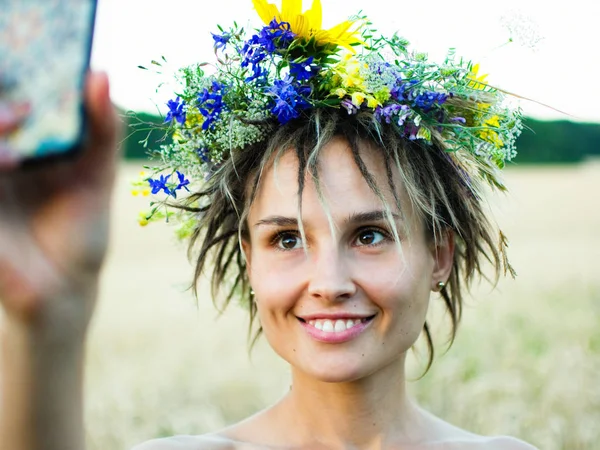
(526, 361)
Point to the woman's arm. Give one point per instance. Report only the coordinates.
(41, 390)
(53, 239)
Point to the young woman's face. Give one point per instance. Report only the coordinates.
(353, 302)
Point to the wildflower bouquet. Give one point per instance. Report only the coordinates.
(292, 65)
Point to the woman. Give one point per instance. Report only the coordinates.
(335, 194)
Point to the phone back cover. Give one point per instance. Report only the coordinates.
(44, 54)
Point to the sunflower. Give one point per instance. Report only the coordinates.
(307, 25)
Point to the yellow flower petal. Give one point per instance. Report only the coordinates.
(342, 36)
(290, 9)
(477, 81)
(315, 14)
(300, 25)
(493, 121)
(358, 98)
(372, 102)
(267, 11)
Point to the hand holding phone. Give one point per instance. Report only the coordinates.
(54, 220)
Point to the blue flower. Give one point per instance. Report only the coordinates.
(221, 40)
(402, 91)
(290, 99)
(203, 154)
(276, 35)
(160, 184)
(304, 70)
(176, 111)
(183, 182)
(426, 100)
(253, 55)
(273, 37)
(210, 104)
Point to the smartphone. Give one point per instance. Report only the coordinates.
(45, 48)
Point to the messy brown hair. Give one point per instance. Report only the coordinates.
(440, 188)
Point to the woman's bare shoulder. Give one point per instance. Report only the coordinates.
(205, 442)
(216, 442)
(447, 436)
(507, 443)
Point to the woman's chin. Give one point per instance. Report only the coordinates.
(343, 369)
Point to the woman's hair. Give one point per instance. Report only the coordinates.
(438, 188)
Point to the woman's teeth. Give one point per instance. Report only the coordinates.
(335, 326)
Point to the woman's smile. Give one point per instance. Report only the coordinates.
(335, 329)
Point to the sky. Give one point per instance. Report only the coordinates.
(553, 59)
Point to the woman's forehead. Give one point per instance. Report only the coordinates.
(341, 185)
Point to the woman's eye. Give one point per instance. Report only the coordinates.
(288, 241)
(369, 237)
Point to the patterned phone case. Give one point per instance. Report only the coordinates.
(45, 50)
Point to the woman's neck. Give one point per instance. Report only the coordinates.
(364, 414)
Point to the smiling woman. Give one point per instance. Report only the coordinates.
(336, 231)
(331, 191)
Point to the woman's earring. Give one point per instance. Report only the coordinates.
(441, 285)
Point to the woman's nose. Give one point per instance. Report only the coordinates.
(330, 277)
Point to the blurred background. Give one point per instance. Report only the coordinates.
(527, 358)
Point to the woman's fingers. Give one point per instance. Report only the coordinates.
(8, 160)
(11, 117)
(97, 163)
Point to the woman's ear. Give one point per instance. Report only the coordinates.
(247, 253)
(443, 258)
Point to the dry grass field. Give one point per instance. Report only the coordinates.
(526, 361)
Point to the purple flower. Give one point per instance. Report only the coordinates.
(210, 104)
(350, 107)
(459, 120)
(304, 70)
(411, 130)
(386, 113)
(290, 99)
(160, 184)
(175, 111)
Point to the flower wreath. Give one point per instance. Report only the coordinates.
(292, 65)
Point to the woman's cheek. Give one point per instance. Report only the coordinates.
(276, 281)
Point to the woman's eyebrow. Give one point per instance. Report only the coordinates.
(370, 216)
(279, 221)
(358, 217)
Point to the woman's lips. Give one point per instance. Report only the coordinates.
(335, 330)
